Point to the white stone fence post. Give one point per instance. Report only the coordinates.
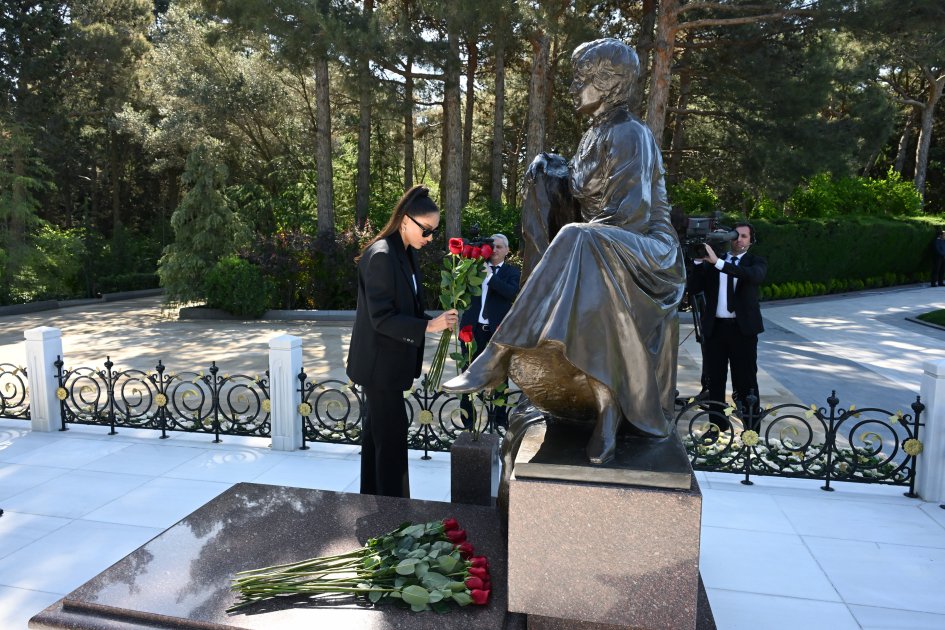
(285, 363)
(930, 464)
(43, 346)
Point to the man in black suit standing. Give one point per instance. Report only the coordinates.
(486, 312)
(731, 320)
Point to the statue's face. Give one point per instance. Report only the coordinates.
(588, 98)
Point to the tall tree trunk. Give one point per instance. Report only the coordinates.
(365, 102)
(114, 158)
(535, 138)
(451, 183)
(498, 121)
(408, 125)
(925, 130)
(325, 196)
(511, 190)
(472, 65)
(666, 30)
(644, 50)
(679, 125)
(904, 141)
(16, 223)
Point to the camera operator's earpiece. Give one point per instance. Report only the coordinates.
(751, 231)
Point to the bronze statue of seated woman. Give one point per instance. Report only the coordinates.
(592, 338)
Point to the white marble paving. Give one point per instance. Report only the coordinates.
(144, 459)
(17, 605)
(738, 610)
(70, 556)
(864, 520)
(873, 618)
(18, 530)
(743, 511)
(767, 563)
(74, 494)
(160, 502)
(15, 478)
(883, 575)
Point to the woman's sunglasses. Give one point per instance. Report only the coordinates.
(427, 232)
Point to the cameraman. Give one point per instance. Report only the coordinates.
(486, 312)
(731, 320)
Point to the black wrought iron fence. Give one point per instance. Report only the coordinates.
(185, 401)
(868, 445)
(224, 404)
(333, 411)
(14, 392)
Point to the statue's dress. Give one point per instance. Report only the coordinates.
(602, 301)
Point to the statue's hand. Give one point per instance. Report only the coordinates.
(536, 167)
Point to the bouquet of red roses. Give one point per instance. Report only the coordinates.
(460, 279)
(424, 566)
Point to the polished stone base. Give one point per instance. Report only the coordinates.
(601, 552)
(181, 579)
(475, 469)
(556, 450)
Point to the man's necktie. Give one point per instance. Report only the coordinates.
(730, 293)
(494, 268)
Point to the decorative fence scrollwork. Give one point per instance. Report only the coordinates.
(187, 401)
(868, 445)
(14, 392)
(333, 411)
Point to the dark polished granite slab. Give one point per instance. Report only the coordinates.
(181, 579)
(556, 451)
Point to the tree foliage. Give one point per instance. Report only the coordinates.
(205, 230)
(323, 111)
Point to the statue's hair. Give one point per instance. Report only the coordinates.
(610, 64)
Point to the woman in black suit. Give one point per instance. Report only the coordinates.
(386, 352)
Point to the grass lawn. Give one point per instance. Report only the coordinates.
(934, 317)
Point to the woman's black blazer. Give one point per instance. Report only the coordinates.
(390, 324)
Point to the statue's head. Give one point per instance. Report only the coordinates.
(604, 72)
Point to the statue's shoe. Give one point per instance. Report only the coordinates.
(488, 371)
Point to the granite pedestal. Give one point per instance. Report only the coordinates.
(181, 579)
(475, 469)
(603, 547)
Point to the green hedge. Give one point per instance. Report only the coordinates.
(833, 252)
(127, 282)
(237, 286)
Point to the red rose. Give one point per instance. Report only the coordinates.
(476, 252)
(456, 246)
(486, 251)
(473, 583)
(480, 561)
(466, 335)
(449, 524)
(466, 549)
(456, 536)
(480, 572)
(480, 597)
(467, 251)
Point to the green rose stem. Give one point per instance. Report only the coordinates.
(419, 565)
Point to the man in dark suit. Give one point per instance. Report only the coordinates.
(731, 320)
(486, 312)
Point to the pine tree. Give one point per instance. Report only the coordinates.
(205, 230)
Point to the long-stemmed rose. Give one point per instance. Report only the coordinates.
(460, 280)
(424, 566)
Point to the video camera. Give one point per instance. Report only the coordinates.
(476, 240)
(702, 231)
